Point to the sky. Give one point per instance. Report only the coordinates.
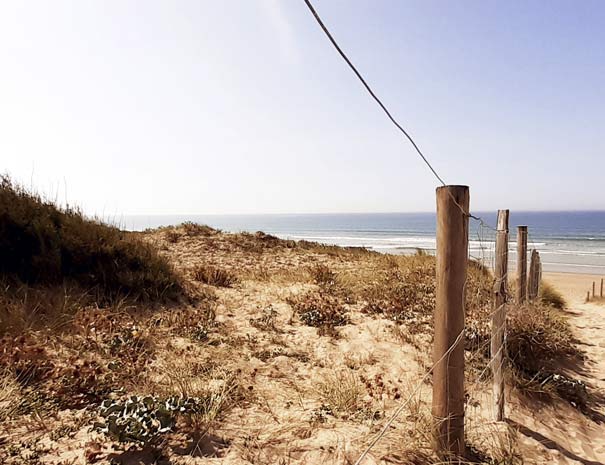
(204, 107)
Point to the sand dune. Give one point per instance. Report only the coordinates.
(560, 434)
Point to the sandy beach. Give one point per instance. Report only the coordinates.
(574, 286)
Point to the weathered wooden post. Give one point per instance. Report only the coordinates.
(588, 296)
(448, 346)
(535, 276)
(521, 264)
(539, 275)
(532, 282)
(593, 287)
(601, 288)
(499, 314)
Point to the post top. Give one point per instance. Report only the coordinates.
(453, 186)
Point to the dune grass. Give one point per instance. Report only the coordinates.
(42, 244)
(551, 296)
(245, 352)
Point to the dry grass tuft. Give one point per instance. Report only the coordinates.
(216, 389)
(322, 275)
(538, 338)
(342, 391)
(266, 321)
(195, 229)
(539, 342)
(25, 307)
(10, 393)
(550, 296)
(214, 276)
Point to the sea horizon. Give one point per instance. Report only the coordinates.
(568, 240)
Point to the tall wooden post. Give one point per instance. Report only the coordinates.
(499, 314)
(601, 287)
(521, 264)
(448, 346)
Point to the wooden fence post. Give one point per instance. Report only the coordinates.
(539, 275)
(448, 346)
(601, 288)
(588, 296)
(499, 314)
(521, 264)
(593, 287)
(533, 283)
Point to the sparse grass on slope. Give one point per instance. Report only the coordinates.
(313, 341)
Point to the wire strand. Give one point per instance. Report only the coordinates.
(369, 89)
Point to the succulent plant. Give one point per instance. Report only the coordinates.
(142, 420)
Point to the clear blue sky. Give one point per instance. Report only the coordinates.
(244, 107)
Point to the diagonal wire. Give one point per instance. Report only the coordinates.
(369, 89)
(383, 107)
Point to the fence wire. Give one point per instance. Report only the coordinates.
(476, 335)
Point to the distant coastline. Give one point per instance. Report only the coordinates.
(572, 242)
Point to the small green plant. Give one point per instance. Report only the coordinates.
(143, 420)
(320, 310)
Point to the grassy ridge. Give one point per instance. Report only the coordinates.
(42, 244)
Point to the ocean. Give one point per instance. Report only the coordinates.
(567, 241)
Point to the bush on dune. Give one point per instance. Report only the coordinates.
(537, 338)
(42, 244)
(539, 343)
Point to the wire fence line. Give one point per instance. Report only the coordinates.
(487, 255)
(486, 258)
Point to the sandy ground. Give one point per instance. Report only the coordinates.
(304, 397)
(565, 437)
(574, 286)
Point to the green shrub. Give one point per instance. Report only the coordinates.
(143, 420)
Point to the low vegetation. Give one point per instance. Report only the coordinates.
(41, 244)
(320, 310)
(551, 297)
(282, 345)
(214, 276)
(539, 342)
